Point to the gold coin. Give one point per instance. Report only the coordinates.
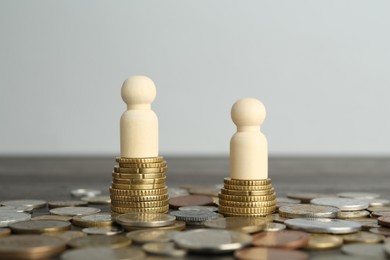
(229, 181)
(162, 209)
(137, 186)
(143, 165)
(138, 175)
(150, 192)
(268, 210)
(68, 235)
(39, 226)
(178, 225)
(94, 241)
(151, 235)
(247, 198)
(249, 215)
(255, 204)
(139, 170)
(95, 220)
(363, 237)
(247, 192)
(146, 204)
(139, 160)
(324, 241)
(4, 232)
(139, 181)
(352, 214)
(139, 198)
(242, 224)
(247, 188)
(52, 217)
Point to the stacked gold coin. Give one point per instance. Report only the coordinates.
(247, 198)
(138, 185)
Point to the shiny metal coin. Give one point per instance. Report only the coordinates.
(212, 240)
(306, 197)
(104, 253)
(79, 193)
(368, 251)
(7, 218)
(323, 225)
(152, 235)
(52, 217)
(145, 219)
(39, 226)
(25, 203)
(24, 209)
(353, 214)
(66, 203)
(282, 239)
(98, 199)
(200, 208)
(344, 204)
(378, 202)
(308, 211)
(366, 223)
(94, 220)
(107, 231)
(74, 211)
(262, 253)
(272, 227)
(164, 249)
(194, 215)
(94, 241)
(242, 224)
(68, 235)
(358, 195)
(324, 241)
(381, 231)
(363, 237)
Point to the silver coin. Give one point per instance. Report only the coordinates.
(200, 208)
(278, 219)
(271, 227)
(79, 193)
(164, 249)
(344, 204)
(352, 214)
(145, 219)
(7, 218)
(99, 217)
(108, 231)
(66, 203)
(358, 195)
(323, 225)
(16, 209)
(194, 215)
(25, 203)
(364, 250)
(176, 192)
(308, 211)
(74, 211)
(98, 199)
(367, 223)
(152, 235)
(306, 197)
(104, 253)
(378, 202)
(212, 240)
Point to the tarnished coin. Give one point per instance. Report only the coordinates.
(190, 216)
(39, 226)
(384, 221)
(79, 193)
(381, 231)
(199, 208)
(164, 249)
(242, 224)
(367, 223)
(94, 220)
(7, 218)
(364, 250)
(284, 239)
(24, 209)
(377, 214)
(378, 202)
(4, 232)
(323, 225)
(24, 203)
(107, 231)
(152, 235)
(68, 235)
(353, 214)
(31, 247)
(324, 241)
(190, 200)
(358, 195)
(145, 219)
(308, 211)
(99, 199)
(344, 204)
(306, 197)
(212, 240)
(74, 211)
(363, 237)
(66, 203)
(261, 253)
(52, 217)
(272, 227)
(94, 241)
(104, 253)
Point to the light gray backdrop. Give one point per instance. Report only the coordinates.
(322, 69)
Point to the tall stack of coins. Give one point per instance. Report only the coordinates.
(247, 198)
(138, 185)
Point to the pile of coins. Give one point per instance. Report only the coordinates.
(138, 185)
(254, 198)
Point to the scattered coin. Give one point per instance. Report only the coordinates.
(272, 227)
(39, 226)
(381, 231)
(152, 235)
(323, 225)
(163, 249)
(306, 197)
(177, 225)
(94, 220)
(7, 218)
(344, 204)
(212, 240)
(74, 211)
(242, 224)
(378, 202)
(363, 237)
(308, 211)
(52, 217)
(200, 208)
(145, 219)
(176, 192)
(364, 250)
(277, 218)
(94, 241)
(284, 201)
(4, 232)
(16, 209)
(31, 247)
(358, 195)
(107, 231)
(379, 208)
(194, 216)
(25, 203)
(190, 200)
(353, 214)
(324, 241)
(260, 253)
(98, 199)
(384, 221)
(104, 253)
(283, 239)
(367, 223)
(68, 235)
(66, 203)
(377, 214)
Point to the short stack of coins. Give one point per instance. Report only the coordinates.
(247, 198)
(138, 185)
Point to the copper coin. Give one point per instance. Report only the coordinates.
(259, 253)
(285, 239)
(190, 200)
(376, 214)
(384, 221)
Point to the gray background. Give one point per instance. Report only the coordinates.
(320, 67)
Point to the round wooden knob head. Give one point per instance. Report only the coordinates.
(248, 112)
(138, 90)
